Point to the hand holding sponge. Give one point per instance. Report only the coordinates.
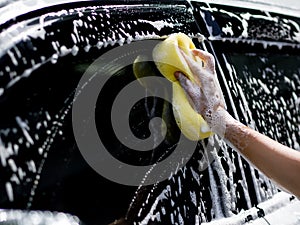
(169, 59)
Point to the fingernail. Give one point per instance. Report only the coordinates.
(177, 74)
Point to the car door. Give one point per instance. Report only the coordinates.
(46, 51)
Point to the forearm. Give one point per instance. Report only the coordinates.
(278, 162)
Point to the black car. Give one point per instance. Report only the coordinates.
(47, 47)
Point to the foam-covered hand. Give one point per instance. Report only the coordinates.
(205, 94)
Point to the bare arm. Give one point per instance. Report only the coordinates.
(278, 162)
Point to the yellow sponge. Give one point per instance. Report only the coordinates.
(168, 60)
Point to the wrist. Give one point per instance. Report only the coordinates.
(236, 134)
(219, 121)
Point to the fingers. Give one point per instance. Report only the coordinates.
(192, 90)
(183, 80)
(199, 73)
(186, 84)
(194, 66)
(207, 58)
(190, 61)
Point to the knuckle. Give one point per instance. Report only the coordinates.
(210, 57)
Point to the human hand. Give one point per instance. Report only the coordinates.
(205, 94)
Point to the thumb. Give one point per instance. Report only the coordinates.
(188, 86)
(192, 90)
(183, 80)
